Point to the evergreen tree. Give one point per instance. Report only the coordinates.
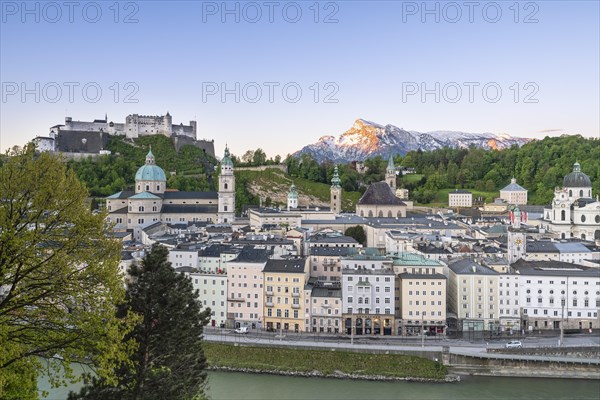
(169, 362)
(358, 233)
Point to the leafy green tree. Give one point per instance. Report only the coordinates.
(59, 279)
(358, 233)
(259, 157)
(169, 362)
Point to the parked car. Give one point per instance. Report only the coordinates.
(242, 329)
(514, 344)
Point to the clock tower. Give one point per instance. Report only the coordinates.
(517, 238)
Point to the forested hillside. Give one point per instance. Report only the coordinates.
(539, 166)
(186, 170)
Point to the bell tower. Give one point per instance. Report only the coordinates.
(226, 213)
(335, 197)
(390, 173)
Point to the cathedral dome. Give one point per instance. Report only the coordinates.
(577, 179)
(150, 171)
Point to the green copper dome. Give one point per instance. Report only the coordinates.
(335, 180)
(226, 160)
(293, 194)
(150, 171)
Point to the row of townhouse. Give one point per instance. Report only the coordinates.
(362, 292)
(530, 295)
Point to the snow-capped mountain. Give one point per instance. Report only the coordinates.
(366, 139)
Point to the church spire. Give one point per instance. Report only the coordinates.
(391, 168)
(150, 160)
(335, 180)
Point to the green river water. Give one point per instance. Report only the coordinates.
(228, 385)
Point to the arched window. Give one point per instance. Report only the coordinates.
(362, 213)
(583, 218)
(563, 215)
(389, 214)
(581, 193)
(380, 214)
(158, 188)
(562, 235)
(399, 214)
(147, 188)
(225, 185)
(370, 213)
(597, 219)
(583, 236)
(570, 193)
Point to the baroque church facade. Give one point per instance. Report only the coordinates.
(151, 202)
(574, 213)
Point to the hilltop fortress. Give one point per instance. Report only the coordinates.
(92, 137)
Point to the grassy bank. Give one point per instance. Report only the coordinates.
(326, 362)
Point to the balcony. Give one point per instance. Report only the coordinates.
(269, 304)
(239, 299)
(269, 292)
(296, 306)
(294, 294)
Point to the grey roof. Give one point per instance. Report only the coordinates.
(541, 247)
(466, 266)
(406, 275)
(292, 266)
(253, 255)
(324, 291)
(125, 194)
(583, 201)
(408, 223)
(332, 239)
(572, 247)
(269, 241)
(214, 250)
(126, 255)
(554, 268)
(332, 251)
(122, 210)
(513, 187)
(175, 195)
(379, 193)
(189, 209)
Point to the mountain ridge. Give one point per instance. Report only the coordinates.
(367, 139)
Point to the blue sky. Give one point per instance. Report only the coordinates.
(369, 60)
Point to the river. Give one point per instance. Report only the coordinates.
(229, 385)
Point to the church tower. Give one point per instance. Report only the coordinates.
(335, 192)
(517, 240)
(390, 173)
(292, 198)
(226, 214)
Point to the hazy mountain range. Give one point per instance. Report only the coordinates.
(366, 139)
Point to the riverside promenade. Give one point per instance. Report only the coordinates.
(579, 353)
